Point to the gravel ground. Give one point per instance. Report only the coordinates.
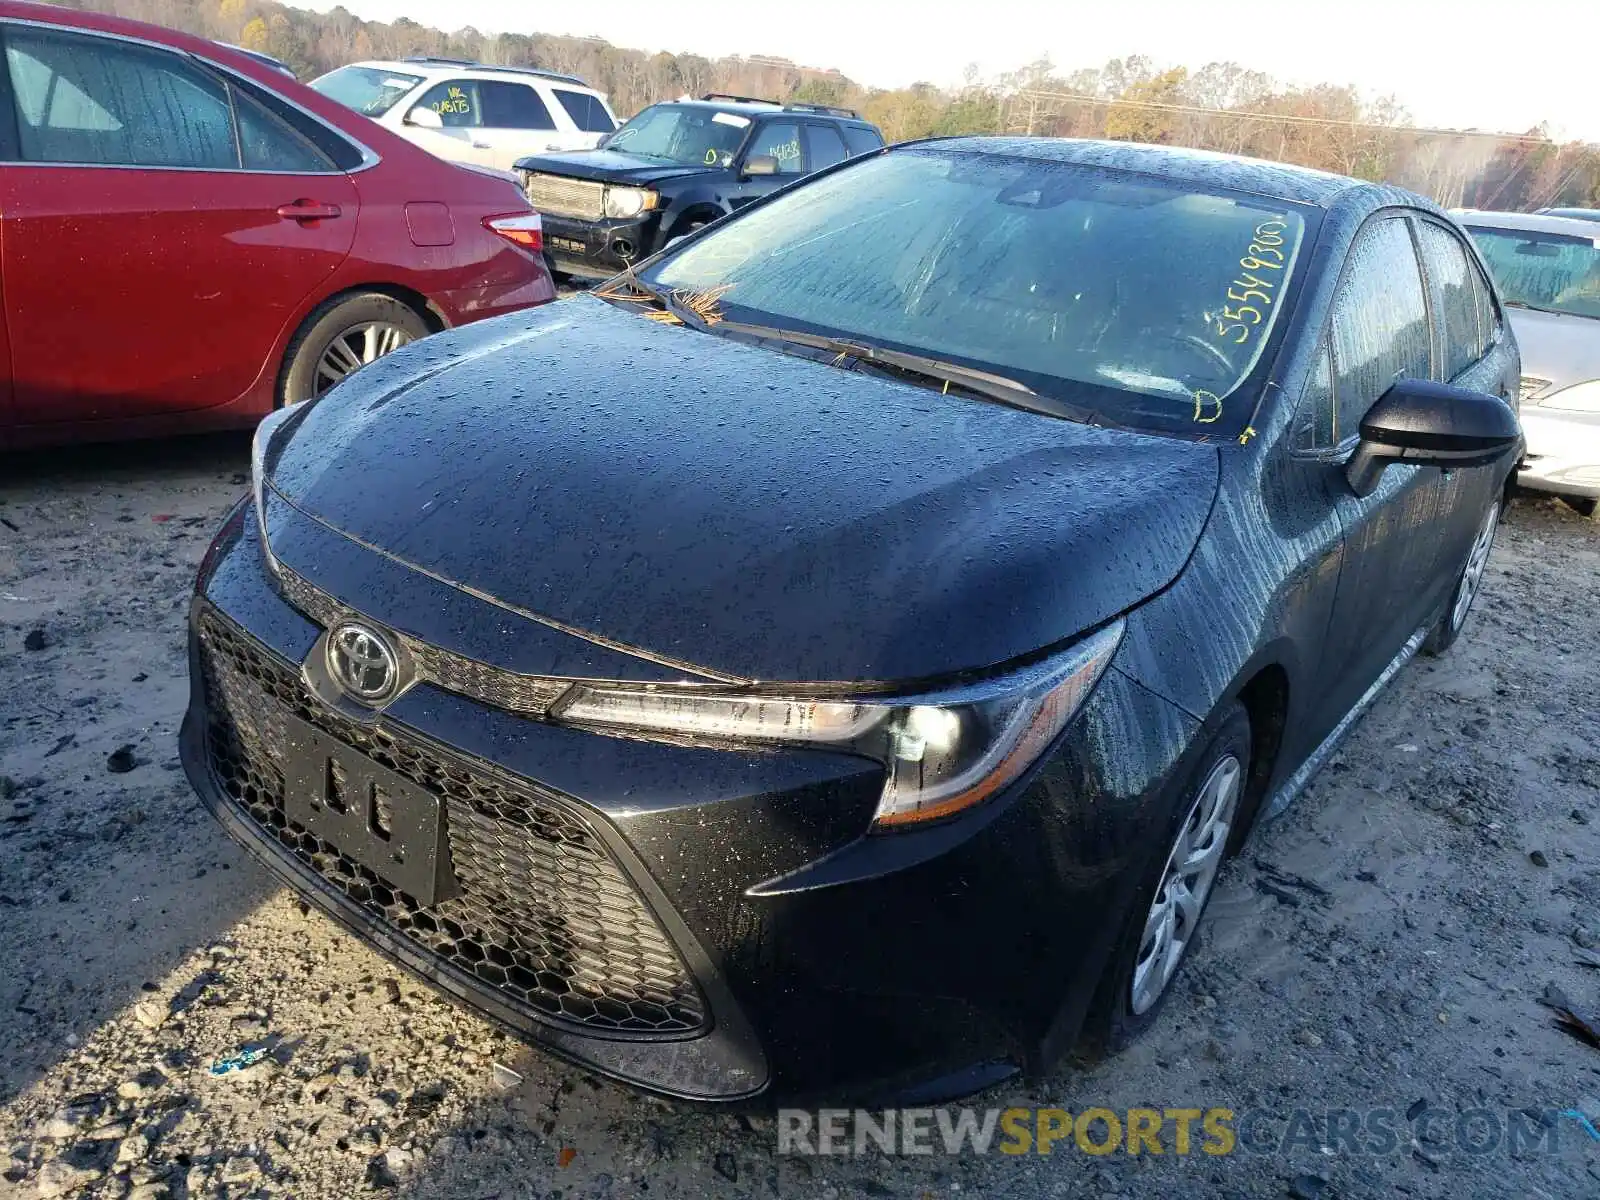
(1386, 944)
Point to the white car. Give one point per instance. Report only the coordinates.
(1548, 270)
(472, 113)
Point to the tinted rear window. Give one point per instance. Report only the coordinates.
(861, 139)
(513, 106)
(586, 111)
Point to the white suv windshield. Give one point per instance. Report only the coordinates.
(371, 91)
(1556, 272)
(1146, 301)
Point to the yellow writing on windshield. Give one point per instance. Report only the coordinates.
(1255, 291)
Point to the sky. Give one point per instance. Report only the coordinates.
(1470, 64)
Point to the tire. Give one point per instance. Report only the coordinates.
(344, 321)
(1135, 985)
(1584, 506)
(1443, 635)
(677, 237)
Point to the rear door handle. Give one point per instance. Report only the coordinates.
(308, 210)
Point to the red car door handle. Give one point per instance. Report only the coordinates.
(307, 210)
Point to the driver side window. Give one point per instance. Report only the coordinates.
(780, 140)
(1377, 333)
(456, 102)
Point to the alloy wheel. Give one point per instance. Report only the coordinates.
(1186, 880)
(1472, 577)
(354, 348)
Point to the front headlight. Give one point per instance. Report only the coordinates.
(627, 202)
(1580, 397)
(943, 752)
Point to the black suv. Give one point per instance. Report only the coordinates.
(676, 167)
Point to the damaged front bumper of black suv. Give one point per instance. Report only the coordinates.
(708, 924)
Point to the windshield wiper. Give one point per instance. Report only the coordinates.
(664, 298)
(1557, 312)
(983, 384)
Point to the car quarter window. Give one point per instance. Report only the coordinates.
(100, 101)
(339, 150)
(456, 101)
(1378, 332)
(780, 140)
(1317, 416)
(1483, 297)
(1456, 315)
(824, 147)
(586, 111)
(267, 143)
(513, 106)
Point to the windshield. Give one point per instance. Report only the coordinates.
(1552, 271)
(1146, 302)
(369, 90)
(691, 135)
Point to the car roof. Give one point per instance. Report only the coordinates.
(1283, 181)
(431, 67)
(1530, 223)
(1583, 214)
(755, 108)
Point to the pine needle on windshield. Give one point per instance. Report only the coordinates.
(704, 303)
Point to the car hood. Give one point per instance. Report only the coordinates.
(1563, 349)
(606, 166)
(755, 514)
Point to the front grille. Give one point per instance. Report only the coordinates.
(542, 912)
(526, 695)
(1531, 387)
(565, 197)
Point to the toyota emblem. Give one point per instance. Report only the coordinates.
(362, 662)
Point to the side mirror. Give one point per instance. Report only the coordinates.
(424, 118)
(760, 164)
(1431, 424)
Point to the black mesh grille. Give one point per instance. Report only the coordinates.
(543, 913)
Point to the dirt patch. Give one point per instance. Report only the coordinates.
(173, 1024)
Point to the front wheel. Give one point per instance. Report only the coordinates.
(691, 227)
(343, 335)
(1443, 635)
(1163, 924)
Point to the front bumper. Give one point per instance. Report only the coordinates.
(1563, 454)
(705, 924)
(598, 249)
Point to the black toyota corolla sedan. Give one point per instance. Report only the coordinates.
(837, 657)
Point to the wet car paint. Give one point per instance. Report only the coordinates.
(143, 257)
(920, 962)
(663, 509)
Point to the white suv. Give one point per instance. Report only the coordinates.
(472, 113)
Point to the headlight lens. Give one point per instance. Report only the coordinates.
(1581, 397)
(627, 201)
(943, 752)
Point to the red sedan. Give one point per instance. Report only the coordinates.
(189, 239)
